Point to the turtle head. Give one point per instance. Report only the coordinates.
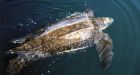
(103, 22)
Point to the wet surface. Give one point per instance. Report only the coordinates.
(22, 17)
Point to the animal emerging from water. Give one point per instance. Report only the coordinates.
(80, 30)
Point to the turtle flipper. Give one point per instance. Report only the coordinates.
(104, 47)
(15, 65)
(21, 61)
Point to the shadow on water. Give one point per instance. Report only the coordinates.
(22, 17)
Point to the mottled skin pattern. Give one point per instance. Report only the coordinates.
(52, 41)
(65, 38)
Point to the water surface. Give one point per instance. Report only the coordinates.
(22, 17)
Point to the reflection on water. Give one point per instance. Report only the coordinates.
(19, 18)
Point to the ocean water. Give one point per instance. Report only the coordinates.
(22, 17)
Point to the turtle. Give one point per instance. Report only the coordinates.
(80, 30)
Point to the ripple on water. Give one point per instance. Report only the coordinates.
(125, 29)
(128, 35)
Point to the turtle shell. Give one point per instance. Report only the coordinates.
(51, 40)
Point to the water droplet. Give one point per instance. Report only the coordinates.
(35, 23)
(33, 56)
(20, 24)
(48, 71)
(12, 52)
(42, 74)
(53, 62)
(85, 4)
(32, 21)
(42, 29)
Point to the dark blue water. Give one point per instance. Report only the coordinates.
(22, 17)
